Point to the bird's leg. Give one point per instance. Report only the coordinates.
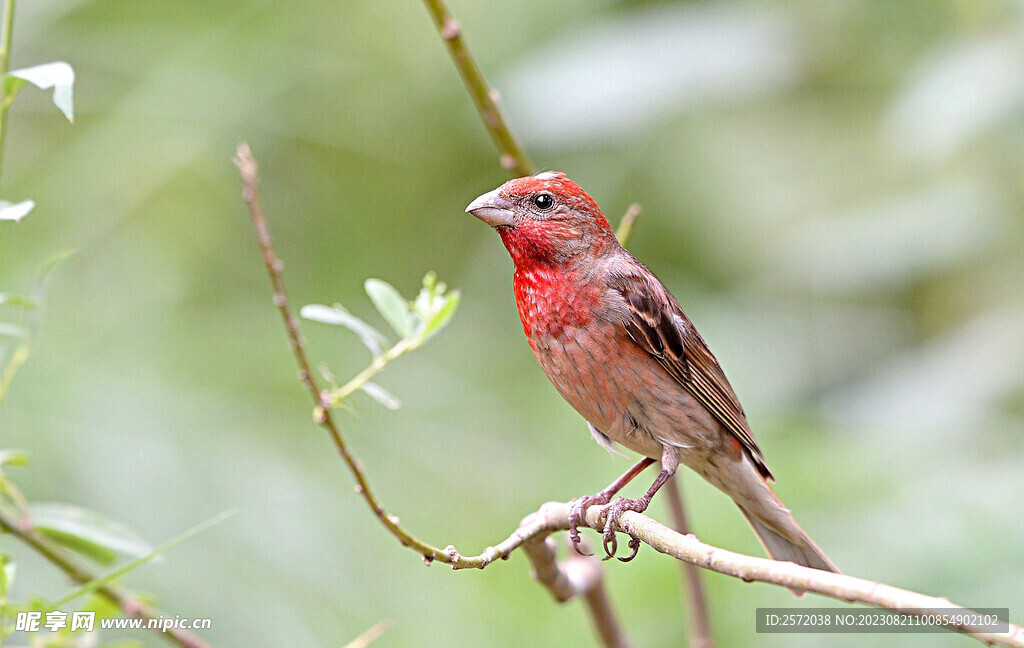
(611, 512)
(578, 511)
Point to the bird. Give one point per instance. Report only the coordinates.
(617, 346)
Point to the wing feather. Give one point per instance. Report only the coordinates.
(656, 323)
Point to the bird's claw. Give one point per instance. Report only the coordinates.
(578, 516)
(609, 514)
(634, 544)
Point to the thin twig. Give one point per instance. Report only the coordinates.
(126, 601)
(513, 157)
(699, 628)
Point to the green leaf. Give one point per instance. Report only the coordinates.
(86, 532)
(60, 76)
(339, 316)
(138, 562)
(444, 314)
(12, 457)
(391, 304)
(15, 211)
(381, 395)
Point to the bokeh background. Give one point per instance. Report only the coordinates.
(832, 190)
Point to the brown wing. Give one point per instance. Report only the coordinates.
(657, 323)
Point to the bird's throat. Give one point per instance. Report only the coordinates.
(552, 299)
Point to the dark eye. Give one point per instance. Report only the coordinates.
(543, 201)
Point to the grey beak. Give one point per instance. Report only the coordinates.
(492, 209)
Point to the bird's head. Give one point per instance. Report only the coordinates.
(544, 219)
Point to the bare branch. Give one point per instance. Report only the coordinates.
(129, 603)
(513, 157)
(554, 516)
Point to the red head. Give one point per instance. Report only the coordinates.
(544, 219)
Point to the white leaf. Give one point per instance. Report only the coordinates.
(15, 211)
(338, 316)
(60, 76)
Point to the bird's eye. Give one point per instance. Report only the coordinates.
(543, 201)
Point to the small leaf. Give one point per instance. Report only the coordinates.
(338, 316)
(444, 314)
(382, 396)
(15, 211)
(423, 301)
(12, 457)
(391, 304)
(429, 281)
(60, 76)
(86, 532)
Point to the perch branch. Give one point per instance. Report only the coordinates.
(128, 602)
(554, 516)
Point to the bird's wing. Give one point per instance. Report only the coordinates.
(658, 325)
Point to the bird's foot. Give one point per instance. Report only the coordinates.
(578, 516)
(609, 514)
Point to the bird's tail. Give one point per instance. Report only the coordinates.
(795, 546)
(745, 483)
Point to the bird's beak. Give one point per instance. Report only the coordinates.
(492, 209)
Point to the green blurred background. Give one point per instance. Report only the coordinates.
(832, 190)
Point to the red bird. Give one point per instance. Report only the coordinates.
(617, 346)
